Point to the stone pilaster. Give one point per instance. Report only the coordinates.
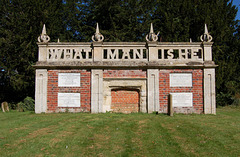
(96, 90)
(153, 90)
(41, 91)
(42, 54)
(207, 51)
(209, 91)
(152, 51)
(97, 51)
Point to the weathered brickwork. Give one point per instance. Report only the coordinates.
(53, 89)
(196, 89)
(124, 74)
(125, 101)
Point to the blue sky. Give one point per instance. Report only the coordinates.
(237, 2)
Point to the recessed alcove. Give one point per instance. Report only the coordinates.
(118, 91)
(125, 100)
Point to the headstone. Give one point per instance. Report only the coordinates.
(20, 107)
(4, 106)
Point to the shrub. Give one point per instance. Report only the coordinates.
(224, 99)
(236, 99)
(28, 104)
(12, 106)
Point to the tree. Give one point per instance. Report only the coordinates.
(20, 25)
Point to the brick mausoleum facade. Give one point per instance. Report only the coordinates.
(125, 77)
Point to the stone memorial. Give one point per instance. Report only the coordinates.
(4, 106)
(101, 77)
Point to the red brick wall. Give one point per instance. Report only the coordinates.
(124, 73)
(53, 90)
(126, 101)
(196, 89)
(118, 96)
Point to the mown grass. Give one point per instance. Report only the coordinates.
(83, 134)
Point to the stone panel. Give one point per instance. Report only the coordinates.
(69, 80)
(182, 99)
(181, 80)
(69, 100)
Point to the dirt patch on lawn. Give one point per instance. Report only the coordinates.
(59, 136)
(34, 134)
(55, 140)
(101, 137)
(19, 129)
(39, 132)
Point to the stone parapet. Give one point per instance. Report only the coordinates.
(167, 53)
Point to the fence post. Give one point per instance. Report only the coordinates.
(170, 107)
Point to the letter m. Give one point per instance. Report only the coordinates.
(112, 54)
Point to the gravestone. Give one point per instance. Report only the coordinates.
(4, 106)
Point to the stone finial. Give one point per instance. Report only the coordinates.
(43, 38)
(152, 36)
(97, 37)
(206, 37)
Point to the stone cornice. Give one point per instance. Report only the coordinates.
(125, 65)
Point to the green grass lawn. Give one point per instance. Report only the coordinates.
(84, 134)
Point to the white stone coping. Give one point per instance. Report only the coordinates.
(122, 43)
